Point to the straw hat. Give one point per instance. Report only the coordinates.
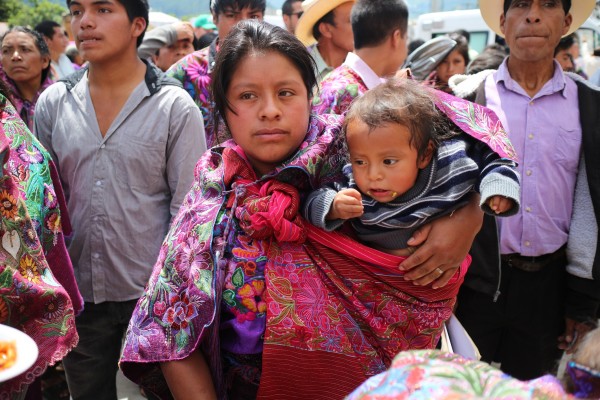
(491, 10)
(314, 10)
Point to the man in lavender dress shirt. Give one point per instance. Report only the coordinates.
(522, 306)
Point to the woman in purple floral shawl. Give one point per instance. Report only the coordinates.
(38, 291)
(244, 292)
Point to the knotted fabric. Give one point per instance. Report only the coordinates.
(265, 208)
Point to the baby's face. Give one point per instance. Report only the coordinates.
(384, 163)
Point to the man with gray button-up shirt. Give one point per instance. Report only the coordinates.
(126, 139)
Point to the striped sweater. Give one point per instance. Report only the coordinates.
(461, 165)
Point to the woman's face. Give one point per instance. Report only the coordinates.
(21, 59)
(453, 64)
(272, 109)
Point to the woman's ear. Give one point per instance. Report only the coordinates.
(45, 61)
(425, 158)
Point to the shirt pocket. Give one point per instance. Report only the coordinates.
(140, 164)
(568, 147)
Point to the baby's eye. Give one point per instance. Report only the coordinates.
(359, 162)
(389, 161)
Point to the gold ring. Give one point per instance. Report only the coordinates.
(439, 271)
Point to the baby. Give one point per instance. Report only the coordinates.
(408, 165)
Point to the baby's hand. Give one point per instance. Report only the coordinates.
(500, 204)
(346, 204)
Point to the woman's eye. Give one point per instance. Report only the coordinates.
(246, 96)
(286, 93)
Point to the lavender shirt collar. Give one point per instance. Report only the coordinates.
(558, 82)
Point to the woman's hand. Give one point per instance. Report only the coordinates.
(441, 246)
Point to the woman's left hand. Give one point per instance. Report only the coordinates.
(442, 245)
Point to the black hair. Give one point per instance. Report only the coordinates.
(462, 46)
(464, 33)
(286, 8)
(404, 102)
(220, 6)
(328, 18)
(46, 28)
(415, 44)
(375, 20)
(39, 41)
(487, 59)
(134, 9)
(565, 3)
(252, 36)
(566, 43)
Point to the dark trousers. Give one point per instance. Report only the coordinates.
(520, 330)
(92, 366)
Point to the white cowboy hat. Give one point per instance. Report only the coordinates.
(491, 10)
(314, 10)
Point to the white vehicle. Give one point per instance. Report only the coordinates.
(431, 25)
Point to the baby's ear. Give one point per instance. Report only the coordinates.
(425, 158)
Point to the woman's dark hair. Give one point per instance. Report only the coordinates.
(565, 3)
(134, 9)
(252, 36)
(490, 58)
(462, 46)
(40, 44)
(404, 102)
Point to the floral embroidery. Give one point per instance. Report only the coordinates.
(53, 222)
(54, 309)
(337, 91)
(29, 269)
(29, 154)
(8, 205)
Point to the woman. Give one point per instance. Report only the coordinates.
(38, 292)
(455, 63)
(25, 69)
(244, 291)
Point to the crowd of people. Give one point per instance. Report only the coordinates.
(226, 209)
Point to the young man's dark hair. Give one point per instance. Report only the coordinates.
(565, 3)
(220, 6)
(46, 28)
(374, 20)
(134, 9)
(325, 19)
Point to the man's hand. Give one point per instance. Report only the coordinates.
(442, 245)
(346, 204)
(574, 332)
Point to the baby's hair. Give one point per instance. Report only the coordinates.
(404, 102)
(256, 37)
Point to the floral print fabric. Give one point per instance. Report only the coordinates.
(337, 91)
(431, 374)
(193, 71)
(32, 298)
